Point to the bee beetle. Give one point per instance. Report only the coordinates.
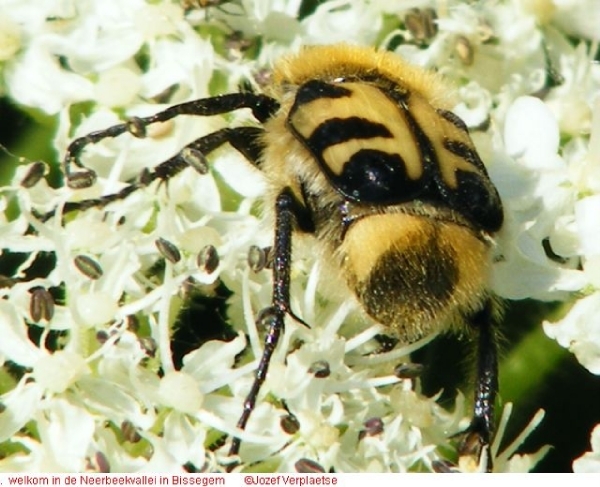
(361, 151)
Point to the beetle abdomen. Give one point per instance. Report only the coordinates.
(414, 274)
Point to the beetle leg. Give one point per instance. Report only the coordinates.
(481, 429)
(244, 139)
(274, 315)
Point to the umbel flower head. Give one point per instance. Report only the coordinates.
(92, 300)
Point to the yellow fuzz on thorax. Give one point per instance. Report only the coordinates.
(344, 60)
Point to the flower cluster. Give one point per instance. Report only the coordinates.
(87, 315)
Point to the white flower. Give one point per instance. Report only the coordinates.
(65, 431)
(579, 331)
(577, 17)
(179, 391)
(343, 21)
(58, 371)
(10, 38)
(590, 462)
(532, 209)
(509, 460)
(503, 47)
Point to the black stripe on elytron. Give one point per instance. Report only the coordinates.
(428, 156)
(337, 130)
(316, 89)
(454, 119)
(466, 152)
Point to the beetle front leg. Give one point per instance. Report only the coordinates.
(274, 315)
